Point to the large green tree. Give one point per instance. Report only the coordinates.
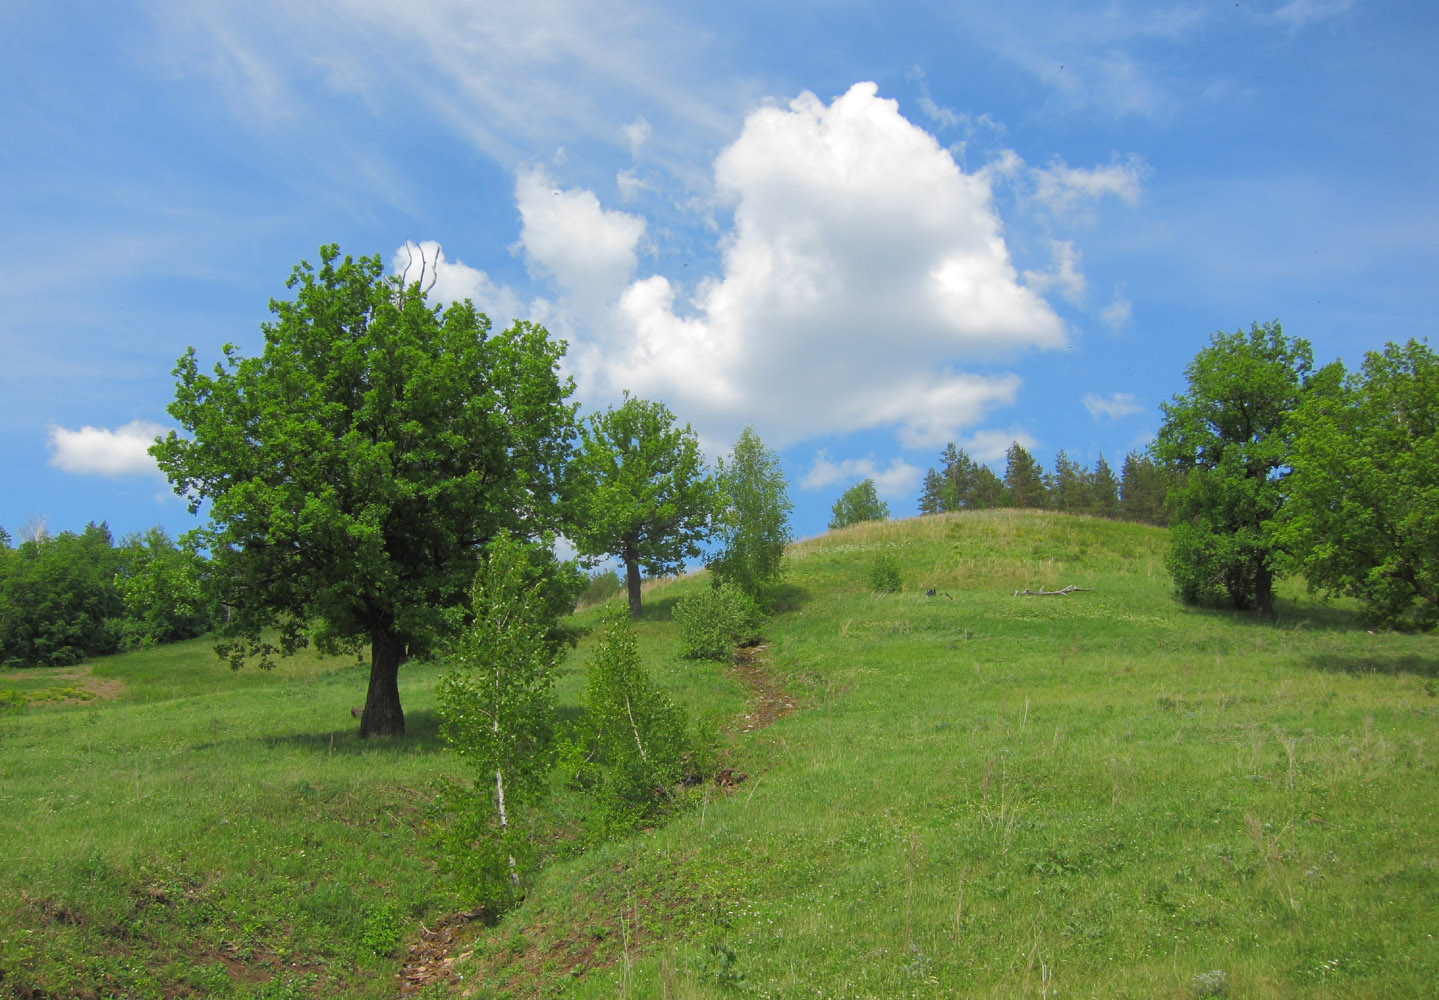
(753, 522)
(639, 490)
(1229, 439)
(1362, 515)
(859, 503)
(356, 468)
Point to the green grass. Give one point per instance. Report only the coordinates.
(1105, 794)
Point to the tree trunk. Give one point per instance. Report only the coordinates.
(383, 715)
(632, 580)
(1264, 592)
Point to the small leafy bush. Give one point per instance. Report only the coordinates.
(713, 622)
(382, 930)
(884, 574)
(630, 746)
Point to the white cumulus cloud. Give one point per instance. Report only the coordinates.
(1120, 404)
(991, 446)
(862, 269)
(898, 479)
(98, 451)
(589, 251)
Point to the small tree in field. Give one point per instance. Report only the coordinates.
(753, 521)
(857, 504)
(629, 747)
(639, 490)
(1229, 437)
(498, 709)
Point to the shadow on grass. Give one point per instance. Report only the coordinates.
(422, 736)
(1376, 663)
(1289, 614)
(789, 597)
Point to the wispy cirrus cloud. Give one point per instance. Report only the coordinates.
(1113, 406)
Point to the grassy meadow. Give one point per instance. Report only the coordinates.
(977, 794)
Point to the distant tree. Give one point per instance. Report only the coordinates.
(58, 600)
(752, 525)
(497, 710)
(1142, 490)
(1067, 485)
(987, 491)
(163, 589)
(858, 503)
(1102, 491)
(356, 469)
(1229, 436)
(1362, 512)
(639, 490)
(1023, 479)
(931, 496)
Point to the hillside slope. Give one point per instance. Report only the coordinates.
(979, 793)
(984, 794)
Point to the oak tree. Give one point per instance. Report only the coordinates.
(1362, 515)
(1229, 439)
(355, 469)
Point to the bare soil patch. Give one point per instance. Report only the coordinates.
(768, 702)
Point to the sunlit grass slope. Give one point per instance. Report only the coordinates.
(1104, 794)
(982, 795)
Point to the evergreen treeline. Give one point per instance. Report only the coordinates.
(961, 483)
(70, 596)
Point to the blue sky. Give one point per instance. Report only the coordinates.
(864, 229)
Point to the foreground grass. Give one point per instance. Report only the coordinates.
(1104, 794)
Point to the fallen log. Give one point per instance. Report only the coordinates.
(1026, 592)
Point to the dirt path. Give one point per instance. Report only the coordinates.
(768, 702)
(432, 956)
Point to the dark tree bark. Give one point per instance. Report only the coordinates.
(632, 580)
(383, 715)
(1264, 592)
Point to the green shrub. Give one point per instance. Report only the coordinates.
(383, 930)
(884, 574)
(630, 746)
(603, 585)
(713, 622)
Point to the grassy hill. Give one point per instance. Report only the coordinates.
(977, 794)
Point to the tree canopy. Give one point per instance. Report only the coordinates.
(858, 503)
(1023, 479)
(1228, 437)
(356, 468)
(1362, 514)
(639, 490)
(753, 522)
